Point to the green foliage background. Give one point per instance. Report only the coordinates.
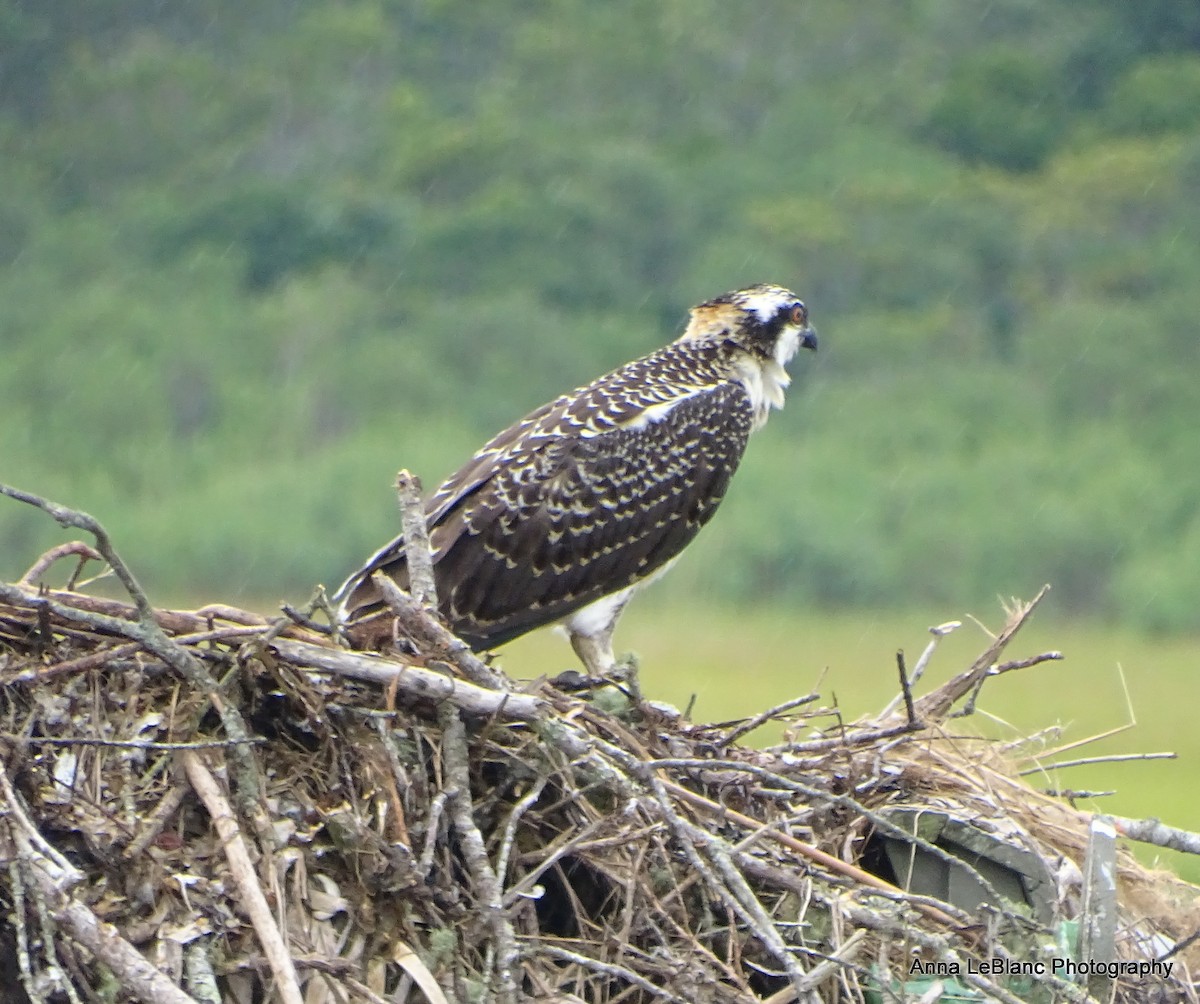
(255, 257)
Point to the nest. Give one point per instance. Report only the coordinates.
(206, 805)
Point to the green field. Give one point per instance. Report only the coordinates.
(736, 663)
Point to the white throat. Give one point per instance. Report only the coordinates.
(765, 380)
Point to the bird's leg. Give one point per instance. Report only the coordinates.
(595, 652)
(591, 632)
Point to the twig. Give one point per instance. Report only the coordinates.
(52, 875)
(833, 964)
(242, 870)
(847, 740)
(395, 779)
(76, 547)
(1179, 946)
(935, 706)
(414, 680)
(815, 854)
(1151, 831)
(938, 631)
(1033, 660)
(418, 554)
(18, 916)
(130, 744)
(14, 807)
(155, 821)
(906, 689)
(538, 947)
(723, 877)
(82, 521)
(510, 827)
(433, 637)
(455, 762)
(1085, 761)
(434, 820)
(750, 724)
(1098, 911)
(201, 980)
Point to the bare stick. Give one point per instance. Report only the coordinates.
(131, 744)
(906, 688)
(155, 821)
(433, 637)
(414, 680)
(609, 969)
(455, 759)
(1084, 761)
(938, 631)
(821, 972)
(1151, 831)
(510, 827)
(201, 979)
(242, 870)
(418, 554)
(432, 824)
(762, 718)
(77, 547)
(716, 865)
(935, 706)
(1098, 911)
(1033, 660)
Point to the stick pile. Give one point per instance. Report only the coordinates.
(209, 806)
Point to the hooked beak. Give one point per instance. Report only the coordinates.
(808, 339)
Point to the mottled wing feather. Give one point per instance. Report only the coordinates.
(604, 514)
(587, 495)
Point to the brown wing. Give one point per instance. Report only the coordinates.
(587, 495)
(587, 518)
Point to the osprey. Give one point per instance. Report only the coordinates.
(560, 517)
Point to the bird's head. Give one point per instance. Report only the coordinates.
(767, 321)
(758, 330)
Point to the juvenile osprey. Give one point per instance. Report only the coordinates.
(564, 514)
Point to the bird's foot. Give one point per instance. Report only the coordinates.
(625, 671)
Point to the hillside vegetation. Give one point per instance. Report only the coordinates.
(255, 257)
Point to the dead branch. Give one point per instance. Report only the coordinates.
(433, 638)
(418, 553)
(242, 870)
(1151, 831)
(935, 706)
(487, 884)
(413, 680)
(74, 547)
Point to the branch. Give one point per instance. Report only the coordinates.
(242, 869)
(750, 724)
(456, 760)
(935, 706)
(76, 547)
(418, 553)
(89, 524)
(433, 638)
(414, 680)
(1151, 831)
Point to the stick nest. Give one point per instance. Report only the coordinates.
(260, 814)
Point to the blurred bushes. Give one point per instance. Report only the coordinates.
(254, 259)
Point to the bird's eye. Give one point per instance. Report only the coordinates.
(799, 314)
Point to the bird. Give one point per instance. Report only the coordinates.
(561, 517)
